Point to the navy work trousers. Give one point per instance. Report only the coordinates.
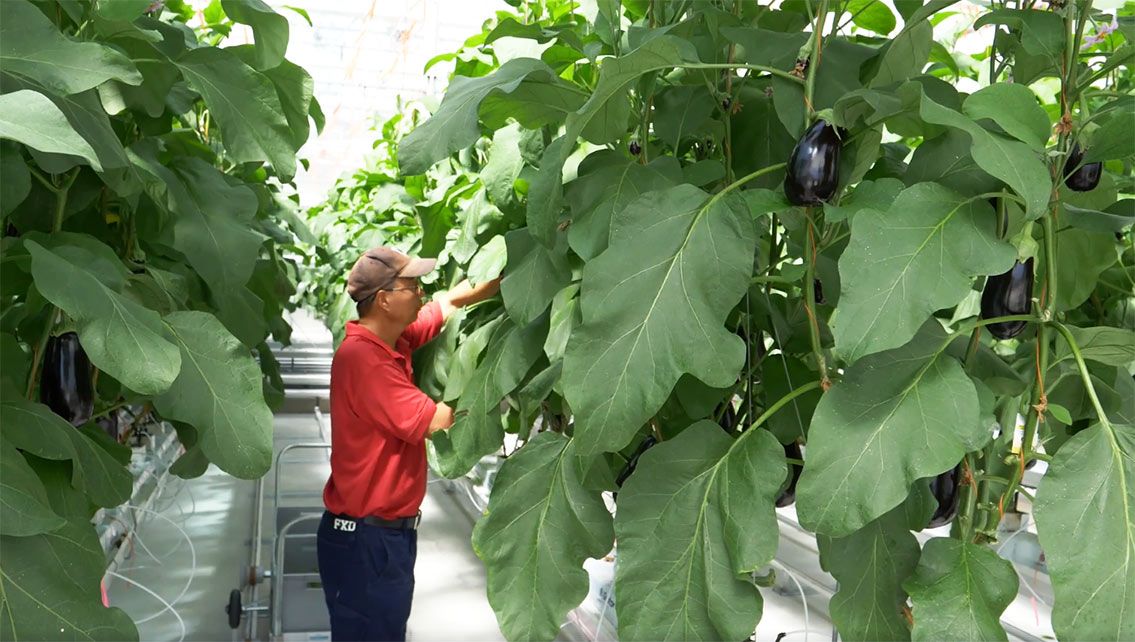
(368, 578)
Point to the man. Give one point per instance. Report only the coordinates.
(367, 541)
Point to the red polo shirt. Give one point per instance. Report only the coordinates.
(379, 423)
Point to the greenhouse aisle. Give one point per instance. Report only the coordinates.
(215, 511)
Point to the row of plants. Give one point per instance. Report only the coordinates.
(756, 254)
(149, 218)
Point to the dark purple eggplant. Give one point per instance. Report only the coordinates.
(65, 385)
(945, 487)
(632, 463)
(634, 148)
(1078, 177)
(110, 425)
(813, 168)
(788, 495)
(1008, 294)
(818, 291)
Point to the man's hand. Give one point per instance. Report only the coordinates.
(465, 294)
(443, 419)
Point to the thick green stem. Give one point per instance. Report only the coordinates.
(784, 401)
(1084, 375)
(814, 57)
(61, 194)
(738, 65)
(810, 299)
(968, 501)
(744, 179)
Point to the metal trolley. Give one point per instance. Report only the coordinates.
(295, 606)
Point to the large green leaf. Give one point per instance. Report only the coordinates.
(15, 179)
(505, 162)
(245, 105)
(24, 509)
(1113, 346)
(961, 589)
(1081, 256)
(33, 48)
(1114, 139)
(122, 338)
(919, 257)
(605, 106)
(694, 521)
(654, 307)
(1009, 160)
(269, 28)
(539, 528)
(608, 182)
(532, 277)
(33, 428)
(681, 111)
(1042, 32)
(477, 430)
(31, 118)
(1085, 512)
(49, 588)
(946, 159)
(871, 14)
(870, 566)
(905, 56)
(213, 227)
(454, 124)
(218, 392)
(896, 416)
(1014, 108)
(539, 100)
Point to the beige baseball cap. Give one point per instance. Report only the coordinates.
(377, 268)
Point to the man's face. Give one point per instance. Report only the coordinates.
(404, 299)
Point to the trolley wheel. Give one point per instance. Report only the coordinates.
(234, 609)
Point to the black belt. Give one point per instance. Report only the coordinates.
(402, 523)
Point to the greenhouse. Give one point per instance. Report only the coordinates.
(567, 320)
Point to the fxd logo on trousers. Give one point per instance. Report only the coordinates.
(347, 525)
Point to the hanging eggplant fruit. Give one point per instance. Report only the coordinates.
(1081, 178)
(1008, 294)
(788, 495)
(944, 487)
(65, 385)
(813, 168)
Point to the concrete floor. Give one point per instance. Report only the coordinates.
(215, 511)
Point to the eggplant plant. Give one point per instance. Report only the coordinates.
(149, 217)
(635, 182)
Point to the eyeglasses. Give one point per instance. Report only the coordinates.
(416, 288)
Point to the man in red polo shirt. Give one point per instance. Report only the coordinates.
(380, 421)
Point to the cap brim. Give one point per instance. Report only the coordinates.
(418, 267)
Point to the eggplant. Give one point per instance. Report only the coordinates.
(65, 385)
(788, 495)
(1007, 294)
(1081, 178)
(813, 168)
(634, 148)
(818, 291)
(632, 463)
(945, 489)
(110, 425)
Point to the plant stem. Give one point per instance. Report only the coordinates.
(744, 179)
(773, 280)
(61, 193)
(739, 65)
(969, 500)
(1085, 376)
(810, 300)
(814, 57)
(783, 401)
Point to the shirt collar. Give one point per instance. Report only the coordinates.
(355, 329)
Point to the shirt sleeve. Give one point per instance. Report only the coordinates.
(425, 327)
(382, 396)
